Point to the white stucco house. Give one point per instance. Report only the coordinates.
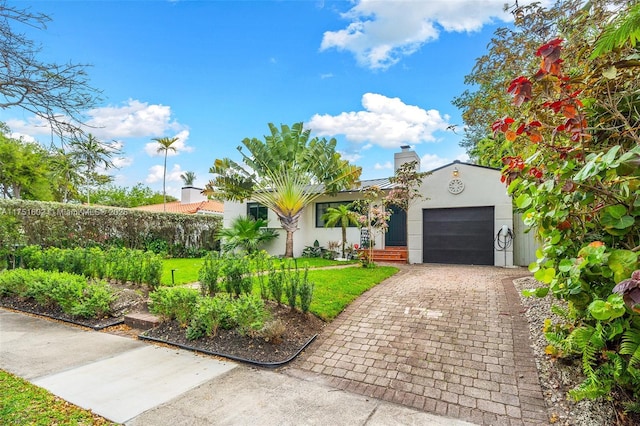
(464, 208)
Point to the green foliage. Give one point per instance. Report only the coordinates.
(177, 303)
(276, 283)
(70, 225)
(247, 234)
(120, 196)
(236, 274)
(574, 174)
(210, 314)
(283, 173)
(292, 285)
(262, 262)
(343, 216)
(249, 315)
(209, 274)
(306, 291)
(116, 263)
(72, 293)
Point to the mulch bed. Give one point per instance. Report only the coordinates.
(300, 330)
(55, 312)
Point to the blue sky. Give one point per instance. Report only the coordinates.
(373, 74)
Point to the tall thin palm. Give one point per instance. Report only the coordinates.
(166, 145)
(92, 153)
(342, 216)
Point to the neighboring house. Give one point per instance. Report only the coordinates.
(463, 209)
(191, 202)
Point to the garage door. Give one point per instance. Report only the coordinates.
(458, 235)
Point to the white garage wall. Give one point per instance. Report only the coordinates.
(482, 187)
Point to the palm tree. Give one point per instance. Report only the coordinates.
(91, 153)
(246, 233)
(166, 145)
(188, 178)
(285, 173)
(340, 215)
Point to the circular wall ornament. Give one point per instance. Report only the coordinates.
(456, 186)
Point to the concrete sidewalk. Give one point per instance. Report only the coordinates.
(136, 383)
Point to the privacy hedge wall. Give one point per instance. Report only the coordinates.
(68, 225)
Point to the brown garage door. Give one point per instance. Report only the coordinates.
(458, 235)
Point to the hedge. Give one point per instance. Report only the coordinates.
(61, 225)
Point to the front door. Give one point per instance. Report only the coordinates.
(396, 235)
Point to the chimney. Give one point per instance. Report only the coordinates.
(191, 194)
(405, 156)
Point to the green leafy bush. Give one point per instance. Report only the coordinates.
(121, 264)
(177, 303)
(276, 283)
(249, 314)
(210, 314)
(66, 226)
(574, 175)
(292, 283)
(306, 291)
(209, 274)
(72, 293)
(236, 274)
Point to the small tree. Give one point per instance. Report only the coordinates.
(407, 181)
(373, 216)
(340, 215)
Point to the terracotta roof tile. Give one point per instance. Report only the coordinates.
(209, 206)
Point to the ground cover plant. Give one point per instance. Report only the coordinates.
(23, 403)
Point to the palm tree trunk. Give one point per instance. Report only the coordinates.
(344, 239)
(164, 180)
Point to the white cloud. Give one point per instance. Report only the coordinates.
(180, 145)
(155, 174)
(351, 157)
(380, 33)
(429, 162)
(386, 122)
(385, 166)
(121, 162)
(325, 76)
(22, 137)
(133, 119)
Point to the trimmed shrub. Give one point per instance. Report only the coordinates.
(72, 293)
(68, 225)
(177, 303)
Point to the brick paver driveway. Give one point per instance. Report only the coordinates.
(446, 339)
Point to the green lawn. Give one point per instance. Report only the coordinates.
(186, 270)
(25, 404)
(336, 288)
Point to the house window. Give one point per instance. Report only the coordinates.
(257, 211)
(321, 208)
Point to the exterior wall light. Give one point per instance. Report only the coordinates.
(456, 173)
